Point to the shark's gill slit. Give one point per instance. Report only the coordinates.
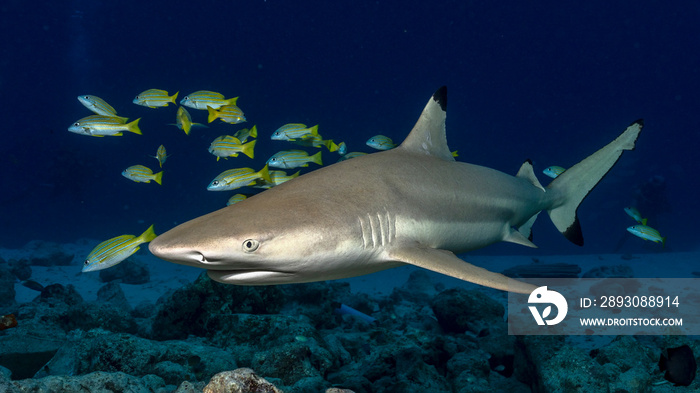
(363, 231)
(381, 229)
(373, 231)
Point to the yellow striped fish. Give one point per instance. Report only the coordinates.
(229, 146)
(203, 98)
(636, 215)
(245, 133)
(161, 155)
(99, 106)
(277, 177)
(183, 120)
(237, 178)
(154, 98)
(113, 251)
(142, 174)
(228, 114)
(290, 159)
(294, 131)
(647, 233)
(235, 199)
(316, 141)
(98, 125)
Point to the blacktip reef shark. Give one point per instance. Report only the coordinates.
(413, 204)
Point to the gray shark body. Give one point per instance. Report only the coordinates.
(410, 205)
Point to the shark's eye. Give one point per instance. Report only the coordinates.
(250, 245)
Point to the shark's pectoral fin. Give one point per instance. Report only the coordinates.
(445, 262)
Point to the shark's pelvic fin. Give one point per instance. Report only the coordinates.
(445, 262)
(428, 135)
(576, 182)
(528, 173)
(526, 229)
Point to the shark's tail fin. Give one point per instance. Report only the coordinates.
(575, 183)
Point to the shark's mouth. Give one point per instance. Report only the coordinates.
(250, 277)
(221, 264)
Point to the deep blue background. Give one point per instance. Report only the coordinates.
(548, 82)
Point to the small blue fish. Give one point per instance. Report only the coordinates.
(381, 142)
(634, 213)
(290, 159)
(647, 233)
(342, 148)
(553, 171)
(154, 98)
(115, 250)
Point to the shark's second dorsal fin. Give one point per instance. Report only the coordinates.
(428, 135)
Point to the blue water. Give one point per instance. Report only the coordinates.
(548, 82)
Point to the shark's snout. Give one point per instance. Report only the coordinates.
(174, 249)
(163, 249)
(159, 248)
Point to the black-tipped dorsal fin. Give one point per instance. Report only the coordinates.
(428, 135)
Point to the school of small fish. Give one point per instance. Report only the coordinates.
(641, 230)
(106, 122)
